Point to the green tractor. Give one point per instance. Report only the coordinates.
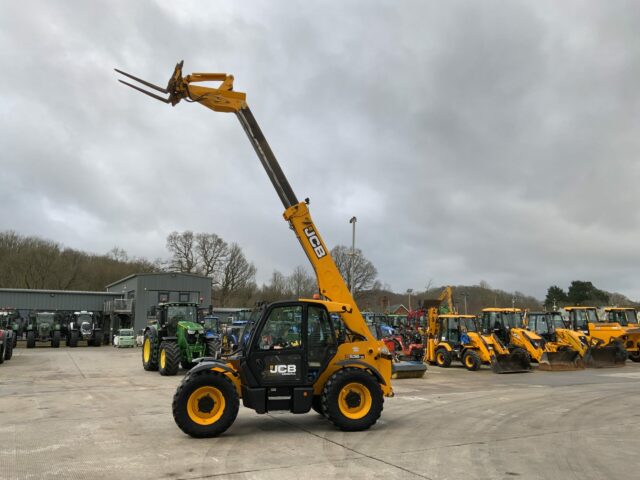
(43, 327)
(174, 337)
(9, 319)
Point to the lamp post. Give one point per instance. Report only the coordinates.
(409, 292)
(352, 221)
(465, 295)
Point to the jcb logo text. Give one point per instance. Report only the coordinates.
(315, 242)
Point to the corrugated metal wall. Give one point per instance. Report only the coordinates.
(53, 299)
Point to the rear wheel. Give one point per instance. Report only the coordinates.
(471, 360)
(3, 348)
(73, 339)
(212, 349)
(205, 404)
(352, 399)
(97, 341)
(31, 339)
(55, 339)
(443, 358)
(169, 358)
(634, 357)
(148, 346)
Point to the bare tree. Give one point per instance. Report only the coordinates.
(237, 274)
(183, 256)
(211, 251)
(364, 272)
(302, 283)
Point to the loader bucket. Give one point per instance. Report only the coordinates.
(408, 370)
(514, 362)
(561, 361)
(613, 355)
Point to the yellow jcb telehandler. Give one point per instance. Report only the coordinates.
(293, 359)
(609, 343)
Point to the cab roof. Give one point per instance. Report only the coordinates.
(455, 315)
(503, 310)
(579, 308)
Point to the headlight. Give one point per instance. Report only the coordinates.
(191, 332)
(384, 351)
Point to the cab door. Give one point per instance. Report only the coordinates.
(277, 352)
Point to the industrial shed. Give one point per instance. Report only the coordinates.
(136, 293)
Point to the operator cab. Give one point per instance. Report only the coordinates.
(580, 318)
(500, 321)
(545, 324)
(287, 350)
(454, 327)
(622, 316)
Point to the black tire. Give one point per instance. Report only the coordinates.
(15, 339)
(212, 348)
(635, 357)
(2, 350)
(8, 349)
(73, 339)
(335, 401)
(55, 339)
(316, 404)
(149, 357)
(471, 360)
(188, 387)
(31, 339)
(443, 358)
(97, 341)
(168, 358)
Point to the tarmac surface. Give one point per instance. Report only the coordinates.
(89, 412)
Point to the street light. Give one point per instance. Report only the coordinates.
(352, 221)
(409, 291)
(465, 295)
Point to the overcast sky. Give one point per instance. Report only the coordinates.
(494, 141)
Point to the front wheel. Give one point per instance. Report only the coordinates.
(471, 360)
(169, 358)
(148, 362)
(55, 339)
(73, 339)
(31, 339)
(205, 404)
(352, 399)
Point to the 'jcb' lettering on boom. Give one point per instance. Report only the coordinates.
(315, 242)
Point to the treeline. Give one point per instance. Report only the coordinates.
(233, 275)
(469, 298)
(583, 293)
(36, 263)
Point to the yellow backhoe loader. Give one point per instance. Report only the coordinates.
(457, 337)
(453, 336)
(610, 344)
(551, 344)
(293, 360)
(627, 318)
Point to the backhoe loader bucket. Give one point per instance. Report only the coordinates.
(514, 362)
(561, 361)
(408, 370)
(613, 355)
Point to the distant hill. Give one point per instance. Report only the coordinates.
(477, 298)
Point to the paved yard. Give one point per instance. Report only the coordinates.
(95, 413)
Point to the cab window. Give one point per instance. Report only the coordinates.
(282, 329)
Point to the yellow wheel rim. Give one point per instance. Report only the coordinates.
(354, 401)
(468, 361)
(440, 358)
(206, 405)
(146, 350)
(163, 358)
